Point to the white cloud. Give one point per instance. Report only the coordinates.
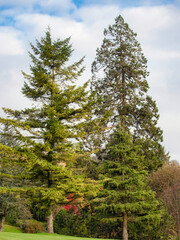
(170, 124)
(97, 14)
(9, 42)
(11, 81)
(149, 19)
(161, 54)
(155, 25)
(12, 98)
(85, 26)
(60, 28)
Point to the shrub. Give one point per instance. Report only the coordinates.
(31, 226)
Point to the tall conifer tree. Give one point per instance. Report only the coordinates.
(120, 85)
(47, 129)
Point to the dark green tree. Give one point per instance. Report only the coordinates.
(47, 131)
(120, 86)
(125, 196)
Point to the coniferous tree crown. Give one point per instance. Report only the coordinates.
(120, 87)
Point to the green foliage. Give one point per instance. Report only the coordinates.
(150, 230)
(13, 207)
(120, 89)
(83, 224)
(12, 204)
(125, 189)
(47, 130)
(31, 226)
(9, 228)
(87, 223)
(69, 223)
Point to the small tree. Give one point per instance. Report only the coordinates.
(46, 130)
(125, 195)
(166, 183)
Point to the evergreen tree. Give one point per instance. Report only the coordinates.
(12, 205)
(6, 136)
(46, 130)
(120, 86)
(125, 196)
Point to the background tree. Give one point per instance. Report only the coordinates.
(7, 136)
(125, 195)
(166, 183)
(120, 87)
(12, 208)
(12, 204)
(47, 129)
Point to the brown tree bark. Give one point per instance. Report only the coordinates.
(50, 220)
(125, 232)
(124, 113)
(2, 223)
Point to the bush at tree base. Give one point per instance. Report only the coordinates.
(31, 226)
(86, 224)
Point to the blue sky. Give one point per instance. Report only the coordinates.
(157, 23)
(125, 3)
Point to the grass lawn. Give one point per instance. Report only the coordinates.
(14, 233)
(36, 236)
(8, 228)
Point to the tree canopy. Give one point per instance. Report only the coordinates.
(125, 195)
(46, 131)
(120, 85)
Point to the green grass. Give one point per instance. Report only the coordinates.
(14, 233)
(37, 236)
(8, 228)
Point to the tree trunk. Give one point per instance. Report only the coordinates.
(178, 233)
(2, 223)
(50, 220)
(125, 232)
(51, 217)
(124, 113)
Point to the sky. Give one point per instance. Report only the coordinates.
(156, 22)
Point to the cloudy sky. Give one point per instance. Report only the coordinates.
(157, 23)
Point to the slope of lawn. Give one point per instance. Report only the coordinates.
(14, 233)
(9, 228)
(37, 236)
